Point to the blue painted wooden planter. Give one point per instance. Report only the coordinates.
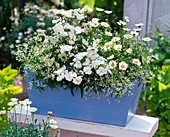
(63, 104)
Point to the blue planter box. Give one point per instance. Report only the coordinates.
(63, 104)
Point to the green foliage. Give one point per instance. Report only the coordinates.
(7, 90)
(157, 93)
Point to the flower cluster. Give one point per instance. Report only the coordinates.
(85, 53)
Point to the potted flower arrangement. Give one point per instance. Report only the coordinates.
(82, 58)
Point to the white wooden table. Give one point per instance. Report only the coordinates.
(139, 126)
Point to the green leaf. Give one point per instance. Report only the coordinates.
(167, 62)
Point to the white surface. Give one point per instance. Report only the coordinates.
(139, 126)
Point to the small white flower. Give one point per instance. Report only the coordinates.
(11, 104)
(87, 62)
(33, 109)
(107, 11)
(85, 42)
(28, 102)
(79, 30)
(69, 76)
(52, 121)
(108, 33)
(112, 64)
(106, 46)
(128, 36)
(118, 47)
(87, 70)
(12, 52)
(139, 24)
(137, 62)
(126, 29)
(150, 50)
(105, 24)
(99, 9)
(2, 112)
(77, 80)
(96, 42)
(134, 33)
(14, 99)
(3, 38)
(4, 28)
(78, 65)
(11, 46)
(137, 30)
(127, 19)
(111, 57)
(22, 103)
(50, 112)
(95, 20)
(146, 39)
(114, 39)
(121, 23)
(54, 126)
(129, 50)
(65, 48)
(17, 41)
(101, 71)
(123, 65)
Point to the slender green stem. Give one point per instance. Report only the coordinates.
(20, 114)
(26, 116)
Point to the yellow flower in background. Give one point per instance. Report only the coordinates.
(115, 39)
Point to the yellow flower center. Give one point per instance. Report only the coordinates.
(107, 46)
(129, 50)
(52, 122)
(104, 24)
(122, 66)
(136, 62)
(97, 42)
(146, 39)
(111, 45)
(94, 20)
(108, 34)
(118, 48)
(128, 36)
(53, 127)
(112, 64)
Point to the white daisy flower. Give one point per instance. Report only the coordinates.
(22, 103)
(108, 33)
(111, 57)
(137, 62)
(112, 64)
(111, 44)
(137, 30)
(121, 23)
(17, 41)
(114, 39)
(118, 47)
(2, 112)
(52, 121)
(95, 20)
(128, 36)
(2, 38)
(126, 29)
(14, 99)
(107, 11)
(99, 9)
(127, 19)
(77, 80)
(123, 65)
(129, 50)
(106, 46)
(54, 126)
(105, 24)
(134, 33)
(27, 102)
(139, 24)
(96, 42)
(11, 104)
(33, 109)
(87, 62)
(146, 39)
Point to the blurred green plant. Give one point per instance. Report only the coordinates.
(157, 93)
(7, 89)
